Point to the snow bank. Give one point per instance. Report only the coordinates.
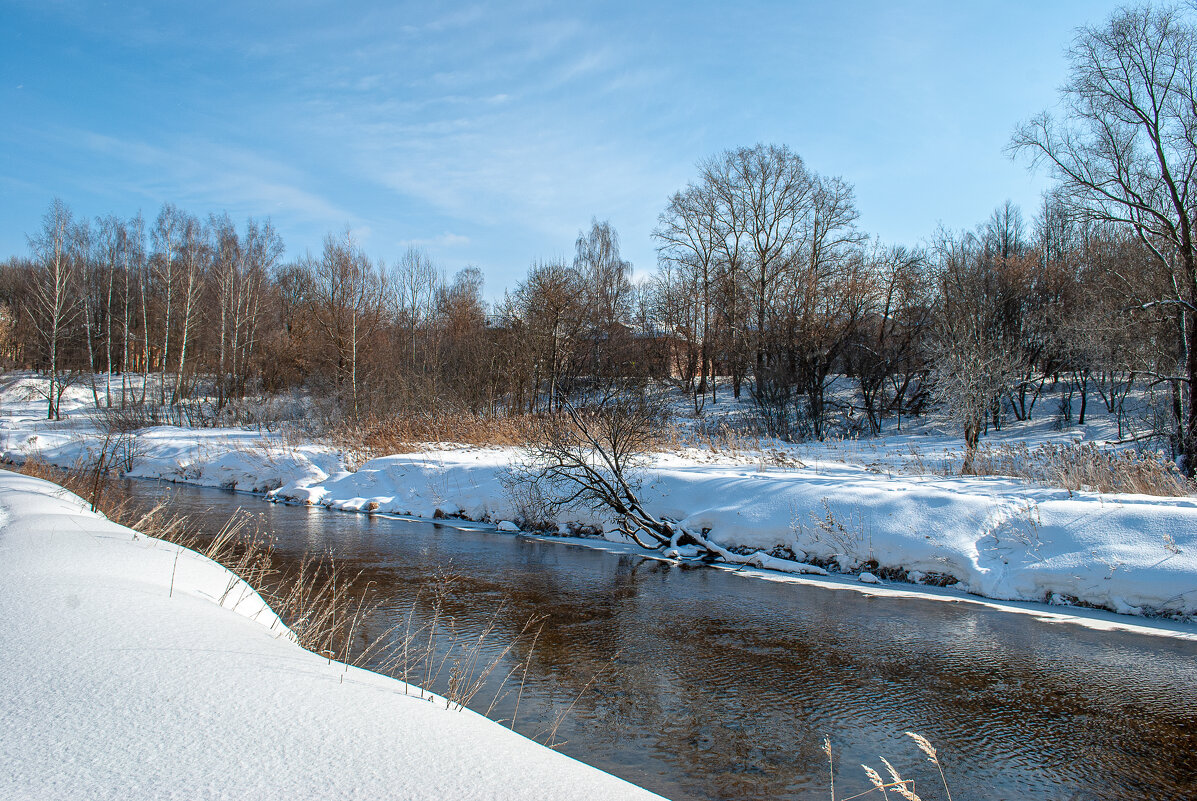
(853, 505)
(1001, 538)
(127, 677)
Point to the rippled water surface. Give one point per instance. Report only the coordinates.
(712, 685)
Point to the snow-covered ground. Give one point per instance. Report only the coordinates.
(876, 503)
(135, 669)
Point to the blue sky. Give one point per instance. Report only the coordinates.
(491, 134)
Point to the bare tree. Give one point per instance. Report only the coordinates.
(720, 187)
(241, 265)
(193, 257)
(831, 289)
(347, 297)
(1126, 152)
(467, 361)
(606, 281)
(688, 233)
(676, 309)
(166, 235)
(551, 306)
(111, 241)
(974, 363)
(593, 456)
(54, 308)
(606, 275)
(890, 340)
(417, 283)
(764, 192)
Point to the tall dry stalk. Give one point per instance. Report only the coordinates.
(895, 783)
(1078, 466)
(325, 609)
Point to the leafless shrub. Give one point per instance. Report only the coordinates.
(848, 537)
(534, 512)
(593, 458)
(127, 419)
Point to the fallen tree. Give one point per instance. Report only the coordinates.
(594, 455)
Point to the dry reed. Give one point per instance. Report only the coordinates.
(895, 783)
(325, 608)
(379, 436)
(1087, 466)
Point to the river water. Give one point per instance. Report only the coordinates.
(712, 685)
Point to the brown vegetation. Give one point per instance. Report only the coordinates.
(1085, 466)
(325, 608)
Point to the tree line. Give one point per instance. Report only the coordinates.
(201, 308)
(766, 287)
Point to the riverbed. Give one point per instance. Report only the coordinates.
(705, 684)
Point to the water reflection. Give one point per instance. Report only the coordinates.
(713, 686)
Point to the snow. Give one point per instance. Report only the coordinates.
(848, 504)
(135, 669)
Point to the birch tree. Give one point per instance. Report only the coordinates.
(54, 307)
(193, 256)
(167, 235)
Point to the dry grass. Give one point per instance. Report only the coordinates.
(381, 436)
(435, 647)
(1086, 466)
(78, 479)
(901, 787)
(725, 438)
(412, 433)
(723, 441)
(325, 607)
(316, 601)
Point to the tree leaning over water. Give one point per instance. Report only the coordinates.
(1125, 152)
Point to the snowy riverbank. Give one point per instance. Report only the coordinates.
(854, 506)
(126, 677)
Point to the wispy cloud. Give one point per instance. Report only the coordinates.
(442, 241)
(212, 174)
(514, 133)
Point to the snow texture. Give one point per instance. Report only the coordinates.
(126, 676)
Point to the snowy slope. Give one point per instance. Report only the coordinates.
(125, 678)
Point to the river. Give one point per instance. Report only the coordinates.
(713, 685)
